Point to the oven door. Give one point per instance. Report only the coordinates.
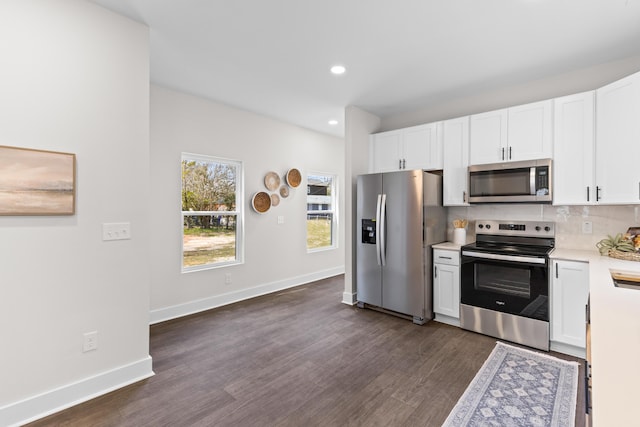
(506, 283)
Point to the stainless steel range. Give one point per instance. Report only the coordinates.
(505, 281)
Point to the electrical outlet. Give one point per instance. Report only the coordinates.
(116, 231)
(227, 279)
(587, 227)
(280, 219)
(90, 341)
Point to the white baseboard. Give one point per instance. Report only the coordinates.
(180, 310)
(47, 403)
(453, 321)
(349, 298)
(569, 349)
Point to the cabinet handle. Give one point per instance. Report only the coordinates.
(435, 271)
(588, 193)
(556, 271)
(509, 153)
(464, 197)
(404, 163)
(399, 163)
(444, 257)
(597, 193)
(502, 153)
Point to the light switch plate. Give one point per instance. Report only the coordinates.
(587, 227)
(116, 231)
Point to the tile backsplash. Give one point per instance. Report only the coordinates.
(568, 219)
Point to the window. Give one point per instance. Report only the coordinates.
(211, 212)
(321, 212)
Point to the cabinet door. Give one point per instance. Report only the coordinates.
(446, 290)
(529, 131)
(569, 294)
(618, 141)
(456, 160)
(422, 146)
(488, 137)
(573, 147)
(385, 151)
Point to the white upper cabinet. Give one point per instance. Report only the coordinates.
(423, 146)
(618, 141)
(488, 137)
(573, 148)
(385, 151)
(416, 147)
(456, 160)
(512, 134)
(530, 132)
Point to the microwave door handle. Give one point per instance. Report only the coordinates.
(498, 257)
(532, 181)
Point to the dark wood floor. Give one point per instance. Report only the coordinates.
(295, 358)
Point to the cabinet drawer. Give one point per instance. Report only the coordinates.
(443, 256)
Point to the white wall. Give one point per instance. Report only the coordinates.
(74, 78)
(564, 84)
(359, 124)
(568, 219)
(275, 254)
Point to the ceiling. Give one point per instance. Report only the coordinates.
(273, 57)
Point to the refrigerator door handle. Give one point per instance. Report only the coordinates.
(382, 235)
(378, 243)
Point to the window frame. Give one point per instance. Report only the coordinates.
(333, 211)
(238, 212)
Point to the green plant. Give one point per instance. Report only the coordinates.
(619, 243)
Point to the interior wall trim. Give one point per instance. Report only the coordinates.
(55, 400)
(197, 306)
(349, 298)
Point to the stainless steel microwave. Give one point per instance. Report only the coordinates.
(511, 182)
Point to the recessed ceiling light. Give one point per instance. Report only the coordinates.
(338, 69)
(333, 122)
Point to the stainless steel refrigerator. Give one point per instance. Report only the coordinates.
(399, 217)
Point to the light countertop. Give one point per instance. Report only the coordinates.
(615, 339)
(447, 245)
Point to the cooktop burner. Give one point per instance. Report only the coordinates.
(535, 238)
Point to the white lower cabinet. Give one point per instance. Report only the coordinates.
(446, 286)
(569, 294)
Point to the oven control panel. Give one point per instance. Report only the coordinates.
(516, 228)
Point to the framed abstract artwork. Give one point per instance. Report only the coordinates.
(36, 182)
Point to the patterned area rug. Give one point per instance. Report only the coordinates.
(518, 387)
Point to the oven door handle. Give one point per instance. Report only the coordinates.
(523, 259)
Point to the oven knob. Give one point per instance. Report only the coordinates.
(488, 226)
(537, 228)
(547, 228)
(480, 226)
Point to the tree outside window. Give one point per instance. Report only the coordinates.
(321, 213)
(211, 212)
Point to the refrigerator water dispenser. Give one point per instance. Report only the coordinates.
(369, 231)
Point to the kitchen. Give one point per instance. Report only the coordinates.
(68, 281)
(583, 134)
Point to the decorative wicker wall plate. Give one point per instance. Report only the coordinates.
(275, 199)
(261, 202)
(284, 192)
(272, 181)
(293, 177)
